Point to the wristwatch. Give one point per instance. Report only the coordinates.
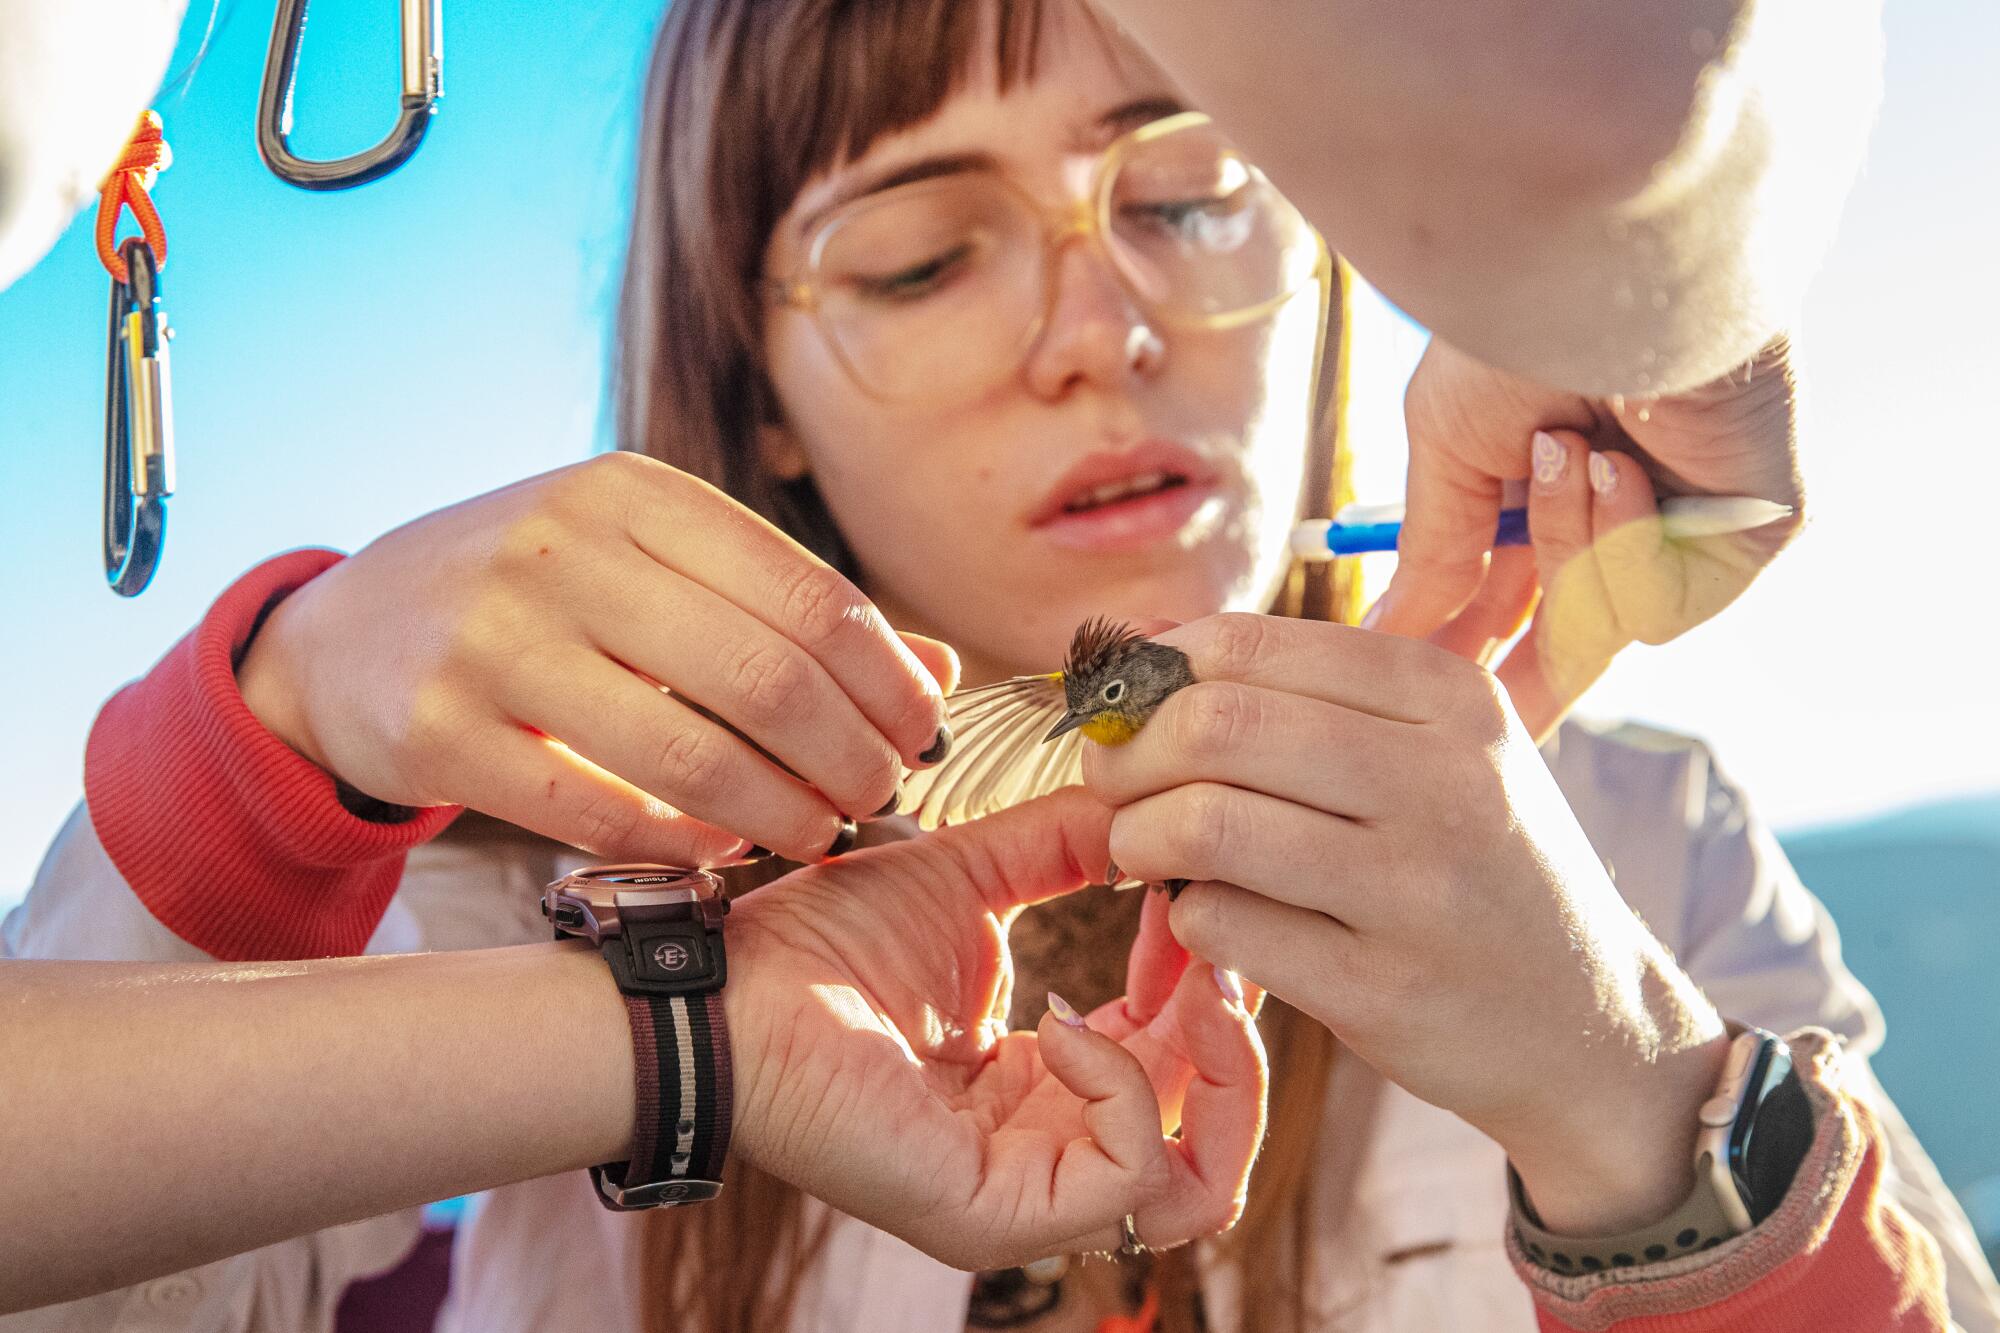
(1754, 1132)
(660, 929)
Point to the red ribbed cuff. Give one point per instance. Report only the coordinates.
(235, 842)
(1838, 1255)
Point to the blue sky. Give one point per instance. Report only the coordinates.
(346, 362)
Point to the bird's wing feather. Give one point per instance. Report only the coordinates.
(997, 758)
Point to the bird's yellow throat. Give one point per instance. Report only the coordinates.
(1111, 728)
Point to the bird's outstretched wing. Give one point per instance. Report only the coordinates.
(997, 757)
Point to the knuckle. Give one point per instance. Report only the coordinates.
(1481, 703)
(690, 758)
(819, 603)
(771, 684)
(1237, 642)
(527, 541)
(1197, 920)
(487, 635)
(433, 727)
(606, 486)
(1201, 829)
(1214, 720)
(605, 823)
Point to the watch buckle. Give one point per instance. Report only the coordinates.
(654, 1193)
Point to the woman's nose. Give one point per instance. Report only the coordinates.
(1095, 333)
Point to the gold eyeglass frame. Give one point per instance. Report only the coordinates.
(1087, 218)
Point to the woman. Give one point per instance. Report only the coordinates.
(1096, 459)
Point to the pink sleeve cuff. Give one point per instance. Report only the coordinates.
(235, 842)
(1837, 1254)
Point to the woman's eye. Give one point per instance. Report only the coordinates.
(916, 281)
(1114, 691)
(1180, 214)
(1217, 223)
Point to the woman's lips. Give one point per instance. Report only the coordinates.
(1131, 523)
(1125, 500)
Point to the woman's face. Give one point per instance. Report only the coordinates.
(993, 518)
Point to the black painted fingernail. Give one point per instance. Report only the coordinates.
(756, 853)
(890, 808)
(843, 841)
(1173, 887)
(939, 747)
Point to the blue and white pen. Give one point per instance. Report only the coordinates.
(1362, 528)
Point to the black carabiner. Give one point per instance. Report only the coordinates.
(138, 424)
(423, 74)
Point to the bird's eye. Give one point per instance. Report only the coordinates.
(1114, 691)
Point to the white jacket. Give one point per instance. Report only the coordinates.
(1425, 1251)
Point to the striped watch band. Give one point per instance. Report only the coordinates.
(680, 1052)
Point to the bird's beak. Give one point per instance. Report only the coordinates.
(1070, 722)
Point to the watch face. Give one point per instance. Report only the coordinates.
(599, 901)
(1772, 1135)
(643, 877)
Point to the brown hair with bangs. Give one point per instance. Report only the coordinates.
(747, 101)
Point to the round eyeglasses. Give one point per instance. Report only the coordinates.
(938, 287)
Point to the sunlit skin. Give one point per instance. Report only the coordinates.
(934, 497)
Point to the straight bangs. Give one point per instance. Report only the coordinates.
(748, 101)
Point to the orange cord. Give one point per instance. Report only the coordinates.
(146, 155)
(1141, 1322)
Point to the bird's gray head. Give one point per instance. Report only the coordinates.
(1114, 678)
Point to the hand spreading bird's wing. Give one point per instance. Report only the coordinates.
(997, 757)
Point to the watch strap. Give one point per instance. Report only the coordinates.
(1700, 1223)
(685, 1102)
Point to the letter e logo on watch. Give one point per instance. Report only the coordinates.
(671, 955)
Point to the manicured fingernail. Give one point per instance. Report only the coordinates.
(1603, 476)
(1063, 1012)
(890, 808)
(1551, 461)
(755, 852)
(1173, 887)
(843, 841)
(939, 747)
(1112, 874)
(1231, 988)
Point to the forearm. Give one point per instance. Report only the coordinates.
(158, 1118)
(1602, 198)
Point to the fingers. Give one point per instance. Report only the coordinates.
(749, 563)
(542, 785)
(614, 720)
(1577, 629)
(1450, 514)
(1203, 831)
(1303, 957)
(1124, 1156)
(936, 656)
(1645, 574)
(758, 682)
(1023, 855)
(1154, 967)
(1404, 680)
(1221, 1112)
(1498, 612)
(1215, 1095)
(1301, 749)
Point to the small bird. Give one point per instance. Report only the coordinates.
(1113, 679)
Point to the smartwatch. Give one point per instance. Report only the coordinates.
(1754, 1132)
(660, 929)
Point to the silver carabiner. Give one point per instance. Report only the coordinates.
(423, 84)
(138, 424)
